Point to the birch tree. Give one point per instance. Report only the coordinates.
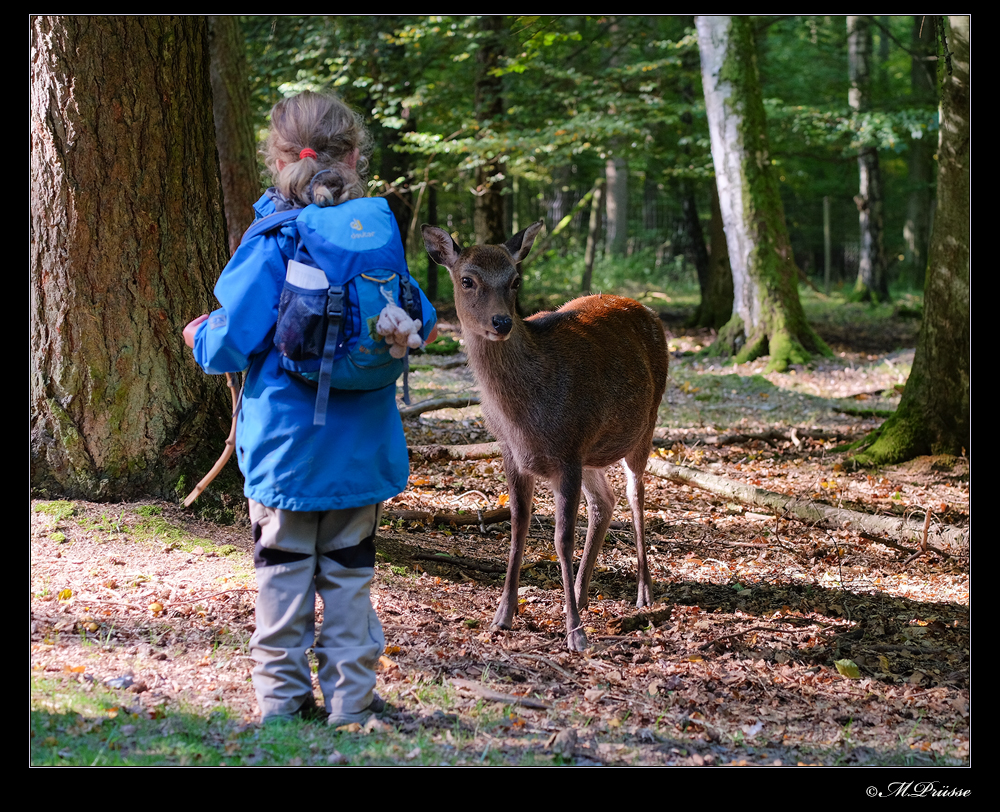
(767, 315)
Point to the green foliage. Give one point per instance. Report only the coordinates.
(578, 89)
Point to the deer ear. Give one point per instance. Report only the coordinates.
(520, 244)
(441, 247)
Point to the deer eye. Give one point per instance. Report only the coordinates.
(467, 282)
(515, 283)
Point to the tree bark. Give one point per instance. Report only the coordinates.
(767, 315)
(616, 206)
(127, 234)
(923, 86)
(234, 134)
(933, 413)
(872, 283)
(489, 220)
(593, 229)
(716, 305)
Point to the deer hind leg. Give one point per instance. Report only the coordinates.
(600, 505)
(521, 487)
(634, 466)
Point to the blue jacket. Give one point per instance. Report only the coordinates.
(359, 457)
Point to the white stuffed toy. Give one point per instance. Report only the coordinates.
(398, 329)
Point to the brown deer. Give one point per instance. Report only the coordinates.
(566, 394)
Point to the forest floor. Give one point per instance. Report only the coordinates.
(770, 641)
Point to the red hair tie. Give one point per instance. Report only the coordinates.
(308, 153)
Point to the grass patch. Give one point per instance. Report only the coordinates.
(74, 724)
(58, 510)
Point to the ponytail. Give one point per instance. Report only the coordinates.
(324, 146)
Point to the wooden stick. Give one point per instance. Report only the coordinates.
(227, 452)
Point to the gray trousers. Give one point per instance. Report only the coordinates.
(297, 555)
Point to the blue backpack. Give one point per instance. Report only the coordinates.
(348, 265)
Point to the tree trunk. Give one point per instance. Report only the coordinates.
(916, 231)
(716, 305)
(873, 283)
(489, 220)
(432, 266)
(234, 135)
(593, 229)
(127, 235)
(616, 206)
(933, 414)
(767, 315)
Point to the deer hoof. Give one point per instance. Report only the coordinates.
(576, 640)
(502, 620)
(645, 597)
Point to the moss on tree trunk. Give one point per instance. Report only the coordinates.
(933, 414)
(767, 315)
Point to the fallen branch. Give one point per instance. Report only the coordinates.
(438, 403)
(453, 364)
(815, 513)
(489, 694)
(475, 451)
(662, 437)
(461, 561)
(480, 517)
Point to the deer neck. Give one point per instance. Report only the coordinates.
(506, 370)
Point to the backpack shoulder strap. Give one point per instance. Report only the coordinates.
(270, 223)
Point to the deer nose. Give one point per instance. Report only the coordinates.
(502, 324)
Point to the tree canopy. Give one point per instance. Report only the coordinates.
(577, 91)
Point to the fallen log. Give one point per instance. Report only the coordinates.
(815, 513)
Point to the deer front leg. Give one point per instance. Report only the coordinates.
(521, 487)
(567, 503)
(600, 505)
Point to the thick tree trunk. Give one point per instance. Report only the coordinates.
(234, 134)
(127, 236)
(933, 414)
(872, 283)
(767, 315)
(489, 220)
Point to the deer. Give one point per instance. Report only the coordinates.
(567, 394)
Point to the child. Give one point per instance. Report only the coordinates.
(314, 490)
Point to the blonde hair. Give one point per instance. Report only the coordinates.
(331, 129)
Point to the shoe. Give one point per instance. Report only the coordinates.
(375, 708)
(308, 711)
